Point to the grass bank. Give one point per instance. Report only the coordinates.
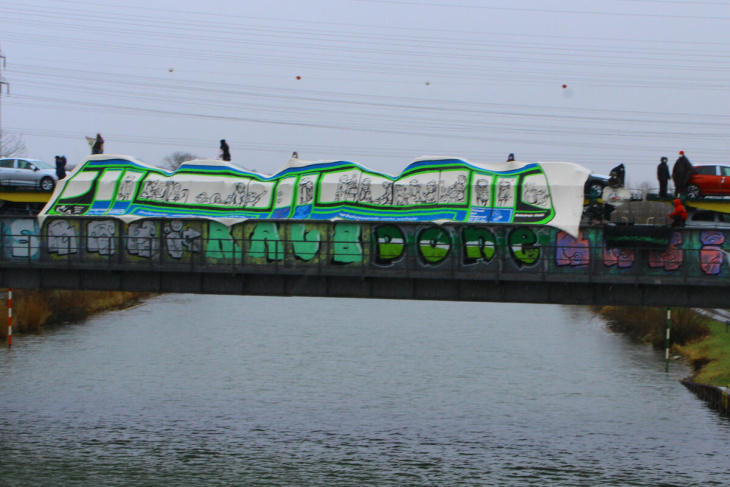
(34, 311)
(711, 355)
(702, 341)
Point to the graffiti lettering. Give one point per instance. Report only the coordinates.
(711, 253)
(346, 246)
(479, 244)
(343, 243)
(305, 244)
(621, 258)
(389, 244)
(572, 251)
(670, 259)
(61, 237)
(434, 244)
(266, 242)
(141, 239)
(524, 247)
(179, 239)
(100, 237)
(220, 243)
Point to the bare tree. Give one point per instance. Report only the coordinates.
(12, 145)
(174, 160)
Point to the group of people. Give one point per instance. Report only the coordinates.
(680, 175)
(681, 172)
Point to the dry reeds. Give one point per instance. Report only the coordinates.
(35, 310)
(649, 324)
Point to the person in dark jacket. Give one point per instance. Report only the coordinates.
(662, 174)
(620, 171)
(679, 215)
(98, 147)
(61, 167)
(681, 172)
(510, 158)
(225, 152)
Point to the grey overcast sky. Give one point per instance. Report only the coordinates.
(379, 82)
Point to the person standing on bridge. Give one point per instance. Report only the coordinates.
(61, 167)
(98, 147)
(679, 215)
(681, 172)
(620, 171)
(662, 174)
(225, 152)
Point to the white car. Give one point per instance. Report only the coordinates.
(27, 173)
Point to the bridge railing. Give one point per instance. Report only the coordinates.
(411, 250)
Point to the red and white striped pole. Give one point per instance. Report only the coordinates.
(10, 317)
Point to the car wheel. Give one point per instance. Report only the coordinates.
(693, 191)
(47, 184)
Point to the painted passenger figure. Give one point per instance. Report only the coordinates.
(504, 193)
(386, 199)
(365, 194)
(414, 192)
(482, 192)
(401, 194)
(430, 196)
(306, 192)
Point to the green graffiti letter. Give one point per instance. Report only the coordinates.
(434, 244)
(390, 244)
(524, 247)
(266, 242)
(479, 243)
(346, 246)
(220, 244)
(305, 244)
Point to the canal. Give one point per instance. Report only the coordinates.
(222, 390)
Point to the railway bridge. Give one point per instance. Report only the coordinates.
(616, 264)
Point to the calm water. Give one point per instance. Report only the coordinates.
(211, 390)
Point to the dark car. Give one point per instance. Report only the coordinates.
(709, 180)
(595, 182)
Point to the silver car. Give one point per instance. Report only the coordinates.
(707, 219)
(27, 173)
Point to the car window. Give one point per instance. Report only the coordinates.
(703, 216)
(725, 170)
(42, 164)
(723, 217)
(24, 164)
(706, 170)
(7, 163)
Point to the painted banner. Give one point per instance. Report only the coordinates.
(434, 189)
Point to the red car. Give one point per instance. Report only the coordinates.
(709, 181)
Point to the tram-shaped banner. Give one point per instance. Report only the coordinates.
(436, 189)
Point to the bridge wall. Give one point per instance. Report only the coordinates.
(364, 259)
